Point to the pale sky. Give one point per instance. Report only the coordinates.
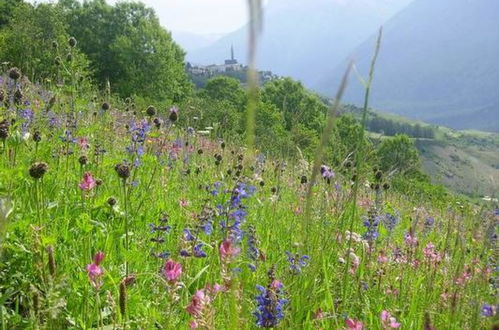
(200, 16)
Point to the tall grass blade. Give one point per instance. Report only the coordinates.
(255, 28)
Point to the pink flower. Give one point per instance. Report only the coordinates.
(276, 285)
(198, 301)
(228, 250)
(193, 324)
(388, 321)
(95, 271)
(184, 203)
(214, 289)
(99, 256)
(172, 270)
(411, 239)
(83, 143)
(382, 258)
(431, 254)
(354, 325)
(88, 182)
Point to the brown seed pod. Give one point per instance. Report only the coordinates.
(38, 170)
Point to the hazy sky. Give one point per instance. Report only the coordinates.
(200, 16)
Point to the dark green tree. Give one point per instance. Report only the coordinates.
(7, 8)
(28, 43)
(296, 103)
(128, 47)
(225, 88)
(398, 154)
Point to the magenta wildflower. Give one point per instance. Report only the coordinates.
(172, 271)
(411, 239)
(198, 301)
(228, 250)
(431, 254)
(388, 321)
(88, 182)
(354, 325)
(83, 143)
(95, 271)
(200, 306)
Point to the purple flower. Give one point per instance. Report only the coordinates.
(488, 310)
(198, 252)
(270, 305)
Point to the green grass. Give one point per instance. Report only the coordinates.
(55, 212)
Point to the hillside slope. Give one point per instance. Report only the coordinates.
(438, 63)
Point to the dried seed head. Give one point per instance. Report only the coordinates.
(51, 260)
(123, 298)
(173, 114)
(111, 201)
(157, 123)
(37, 136)
(123, 170)
(99, 182)
(4, 129)
(151, 111)
(38, 170)
(2, 95)
(83, 160)
(303, 179)
(72, 42)
(69, 57)
(105, 106)
(55, 44)
(14, 73)
(386, 186)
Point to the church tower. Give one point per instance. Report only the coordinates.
(232, 60)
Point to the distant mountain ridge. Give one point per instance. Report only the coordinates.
(302, 39)
(438, 63)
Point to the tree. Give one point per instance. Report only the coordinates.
(225, 88)
(28, 42)
(7, 8)
(128, 47)
(296, 103)
(398, 153)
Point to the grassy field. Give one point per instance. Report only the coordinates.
(466, 162)
(113, 219)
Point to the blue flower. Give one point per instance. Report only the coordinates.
(296, 263)
(270, 306)
(390, 221)
(188, 235)
(198, 252)
(488, 310)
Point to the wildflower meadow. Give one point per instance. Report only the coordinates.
(119, 213)
(119, 217)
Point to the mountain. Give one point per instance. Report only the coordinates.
(438, 62)
(302, 39)
(192, 41)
